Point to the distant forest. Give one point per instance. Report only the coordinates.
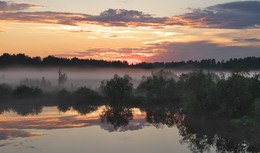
(8, 60)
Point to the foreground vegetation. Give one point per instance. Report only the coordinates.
(236, 97)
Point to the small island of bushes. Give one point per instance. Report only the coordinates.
(206, 94)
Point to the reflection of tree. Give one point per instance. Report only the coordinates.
(159, 116)
(117, 116)
(64, 100)
(84, 108)
(63, 107)
(25, 109)
(3, 108)
(202, 135)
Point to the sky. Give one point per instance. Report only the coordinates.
(131, 30)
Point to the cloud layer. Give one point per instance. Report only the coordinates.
(234, 15)
(7, 6)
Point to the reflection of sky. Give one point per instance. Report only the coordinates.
(72, 132)
(51, 118)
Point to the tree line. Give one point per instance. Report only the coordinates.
(7, 60)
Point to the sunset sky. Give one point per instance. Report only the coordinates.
(131, 30)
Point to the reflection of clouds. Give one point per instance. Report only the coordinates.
(70, 121)
(5, 144)
(11, 134)
(52, 122)
(132, 126)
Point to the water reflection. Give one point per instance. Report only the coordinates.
(117, 116)
(84, 109)
(11, 134)
(200, 134)
(160, 116)
(25, 110)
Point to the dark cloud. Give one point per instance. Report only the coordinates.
(177, 51)
(234, 15)
(248, 40)
(122, 17)
(8, 6)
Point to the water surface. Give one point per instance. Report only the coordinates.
(95, 129)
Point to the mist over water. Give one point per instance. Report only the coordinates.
(77, 77)
(82, 77)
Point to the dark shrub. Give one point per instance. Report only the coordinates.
(86, 94)
(64, 94)
(198, 91)
(5, 91)
(117, 87)
(235, 96)
(27, 92)
(158, 89)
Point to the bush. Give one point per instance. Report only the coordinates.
(158, 89)
(63, 93)
(198, 92)
(5, 91)
(86, 94)
(27, 92)
(117, 87)
(234, 95)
